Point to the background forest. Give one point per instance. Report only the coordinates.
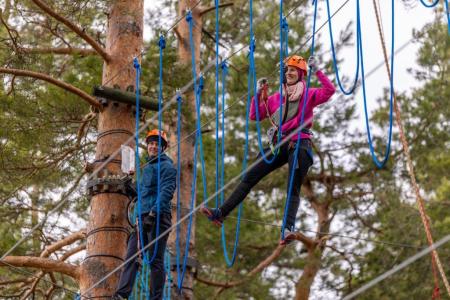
(365, 219)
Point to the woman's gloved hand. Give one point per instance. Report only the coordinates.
(312, 64)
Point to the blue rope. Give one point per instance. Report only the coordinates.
(297, 145)
(285, 27)
(448, 16)
(429, 5)
(137, 66)
(355, 81)
(252, 79)
(378, 163)
(177, 242)
(229, 261)
(198, 144)
(166, 295)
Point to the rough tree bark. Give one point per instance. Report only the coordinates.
(106, 248)
(187, 147)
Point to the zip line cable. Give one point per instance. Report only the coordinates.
(397, 268)
(333, 234)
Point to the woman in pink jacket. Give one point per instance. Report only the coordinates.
(268, 107)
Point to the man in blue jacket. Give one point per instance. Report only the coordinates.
(149, 210)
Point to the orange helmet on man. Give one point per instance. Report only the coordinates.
(154, 134)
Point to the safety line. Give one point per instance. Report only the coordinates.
(332, 234)
(419, 200)
(397, 268)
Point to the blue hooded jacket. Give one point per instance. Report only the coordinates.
(148, 185)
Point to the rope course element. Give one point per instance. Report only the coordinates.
(419, 200)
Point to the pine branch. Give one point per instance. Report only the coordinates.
(81, 32)
(70, 88)
(45, 264)
(60, 50)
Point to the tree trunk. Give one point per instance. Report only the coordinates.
(314, 258)
(107, 248)
(187, 147)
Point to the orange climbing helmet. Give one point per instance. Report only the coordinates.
(154, 135)
(298, 62)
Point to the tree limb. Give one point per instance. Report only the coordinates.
(45, 264)
(64, 242)
(82, 94)
(60, 50)
(81, 32)
(211, 8)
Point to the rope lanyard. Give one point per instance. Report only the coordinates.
(297, 145)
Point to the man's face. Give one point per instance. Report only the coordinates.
(152, 148)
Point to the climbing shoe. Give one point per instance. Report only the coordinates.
(213, 214)
(289, 237)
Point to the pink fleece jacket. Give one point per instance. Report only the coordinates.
(316, 96)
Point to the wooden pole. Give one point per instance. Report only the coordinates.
(106, 239)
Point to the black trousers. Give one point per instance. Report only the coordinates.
(158, 275)
(260, 170)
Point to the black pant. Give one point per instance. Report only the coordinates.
(158, 275)
(261, 169)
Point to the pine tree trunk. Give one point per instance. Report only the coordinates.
(107, 248)
(187, 147)
(314, 258)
